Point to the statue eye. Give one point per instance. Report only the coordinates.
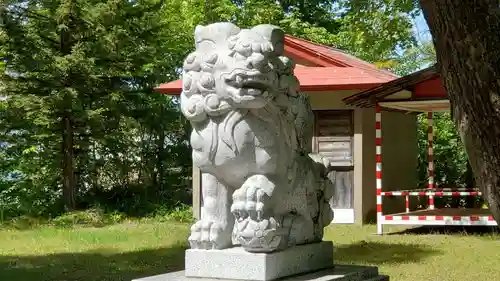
(256, 48)
(244, 49)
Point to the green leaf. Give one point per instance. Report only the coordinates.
(29, 150)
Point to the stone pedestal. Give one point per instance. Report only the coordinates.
(236, 263)
(336, 273)
(301, 263)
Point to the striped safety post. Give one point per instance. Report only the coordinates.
(407, 203)
(378, 165)
(430, 157)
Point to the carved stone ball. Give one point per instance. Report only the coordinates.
(207, 83)
(193, 108)
(209, 61)
(212, 103)
(192, 62)
(189, 83)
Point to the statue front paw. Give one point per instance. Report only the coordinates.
(253, 199)
(256, 228)
(207, 235)
(249, 201)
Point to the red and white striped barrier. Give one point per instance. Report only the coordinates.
(438, 220)
(455, 189)
(430, 157)
(378, 165)
(419, 217)
(431, 193)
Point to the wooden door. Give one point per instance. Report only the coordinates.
(333, 139)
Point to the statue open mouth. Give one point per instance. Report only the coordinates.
(256, 86)
(253, 81)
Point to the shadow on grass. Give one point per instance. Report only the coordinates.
(450, 230)
(376, 253)
(104, 265)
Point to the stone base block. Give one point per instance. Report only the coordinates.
(236, 263)
(336, 273)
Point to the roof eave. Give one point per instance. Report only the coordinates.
(168, 91)
(370, 97)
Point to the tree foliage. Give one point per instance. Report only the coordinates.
(81, 125)
(81, 118)
(417, 57)
(450, 158)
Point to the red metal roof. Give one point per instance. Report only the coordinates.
(172, 88)
(335, 78)
(336, 57)
(330, 69)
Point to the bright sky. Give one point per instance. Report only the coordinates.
(421, 29)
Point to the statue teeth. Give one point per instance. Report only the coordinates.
(239, 80)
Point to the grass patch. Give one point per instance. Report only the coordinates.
(117, 252)
(428, 255)
(134, 249)
(97, 217)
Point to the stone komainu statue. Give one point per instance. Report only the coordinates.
(251, 139)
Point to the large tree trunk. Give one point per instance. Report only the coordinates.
(160, 160)
(69, 184)
(68, 164)
(467, 40)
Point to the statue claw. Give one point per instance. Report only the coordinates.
(208, 235)
(249, 201)
(256, 229)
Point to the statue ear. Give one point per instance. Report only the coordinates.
(198, 31)
(274, 34)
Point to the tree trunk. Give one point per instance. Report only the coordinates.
(467, 40)
(68, 165)
(69, 184)
(470, 201)
(160, 144)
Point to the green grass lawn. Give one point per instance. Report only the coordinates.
(130, 250)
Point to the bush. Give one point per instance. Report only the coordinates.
(92, 217)
(179, 213)
(23, 222)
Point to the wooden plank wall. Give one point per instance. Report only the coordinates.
(333, 137)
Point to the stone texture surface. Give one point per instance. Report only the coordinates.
(337, 273)
(235, 263)
(251, 138)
